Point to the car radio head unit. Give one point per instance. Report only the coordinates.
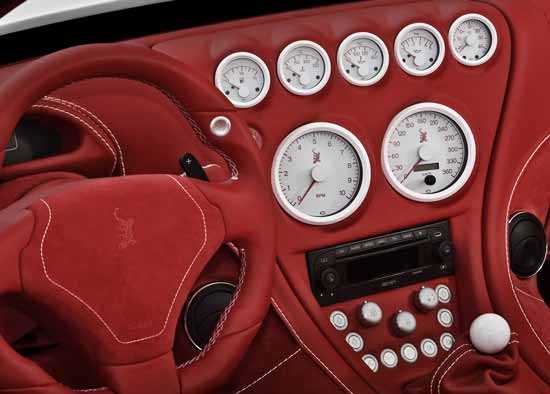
(371, 265)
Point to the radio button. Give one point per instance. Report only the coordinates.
(395, 238)
(381, 241)
(426, 299)
(355, 248)
(404, 323)
(368, 244)
(341, 251)
(371, 362)
(445, 250)
(355, 341)
(443, 293)
(389, 358)
(369, 314)
(421, 233)
(339, 320)
(428, 347)
(446, 341)
(330, 278)
(409, 353)
(407, 235)
(445, 317)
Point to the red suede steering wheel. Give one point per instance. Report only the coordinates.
(110, 262)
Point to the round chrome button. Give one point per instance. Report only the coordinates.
(371, 362)
(339, 320)
(355, 341)
(446, 341)
(428, 347)
(389, 358)
(369, 314)
(445, 317)
(443, 293)
(426, 299)
(404, 323)
(409, 353)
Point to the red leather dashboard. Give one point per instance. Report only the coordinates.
(130, 128)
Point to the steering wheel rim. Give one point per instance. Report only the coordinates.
(202, 102)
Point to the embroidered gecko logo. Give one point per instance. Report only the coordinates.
(125, 230)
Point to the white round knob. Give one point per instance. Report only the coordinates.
(490, 333)
(404, 323)
(220, 126)
(426, 299)
(369, 314)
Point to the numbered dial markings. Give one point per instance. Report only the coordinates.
(426, 152)
(419, 49)
(473, 39)
(362, 59)
(243, 78)
(303, 67)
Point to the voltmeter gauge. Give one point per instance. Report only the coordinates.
(428, 152)
(419, 49)
(243, 78)
(363, 59)
(320, 174)
(473, 39)
(303, 67)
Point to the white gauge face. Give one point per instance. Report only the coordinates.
(472, 39)
(363, 59)
(243, 78)
(428, 152)
(303, 67)
(419, 49)
(321, 173)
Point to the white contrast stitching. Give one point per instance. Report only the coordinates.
(225, 314)
(97, 119)
(89, 390)
(289, 325)
(124, 342)
(506, 241)
(85, 124)
(269, 372)
(443, 362)
(529, 295)
(451, 366)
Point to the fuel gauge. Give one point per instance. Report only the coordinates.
(363, 59)
(419, 49)
(473, 39)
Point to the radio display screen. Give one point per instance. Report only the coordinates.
(388, 262)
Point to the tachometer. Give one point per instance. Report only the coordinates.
(320, 173)
(428, 152)
(363, 59)
(473, 39)
(303, 67)
(419, 49)
(243, 78)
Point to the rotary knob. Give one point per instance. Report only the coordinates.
(369, 314)
(426, 299)
(404, 323)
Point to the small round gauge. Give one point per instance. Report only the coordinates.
(473, 39)
(428, 152)
(419, 49)
(243, 78)
(303, 67)
(321, 173)
(363, 59)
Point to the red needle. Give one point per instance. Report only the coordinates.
(313, 182)
(411, 170)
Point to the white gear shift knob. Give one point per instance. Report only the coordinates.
(490, 333)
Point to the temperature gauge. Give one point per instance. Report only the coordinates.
(243, 78)
(473, 39)
(363, 59)
(419, 49)
(303, 67)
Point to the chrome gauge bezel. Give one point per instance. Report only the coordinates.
(359, 195)
(466, 171)
(261, 65)
(281, 64)
(385, 61)
(492, 31)
(440, 42)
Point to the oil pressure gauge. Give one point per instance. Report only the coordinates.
(428, 152)
(363, 59)
(243, 78)
(303, 67)
(473, 39)
(419, 49)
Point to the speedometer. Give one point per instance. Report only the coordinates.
(320, 173)
(428, 152)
